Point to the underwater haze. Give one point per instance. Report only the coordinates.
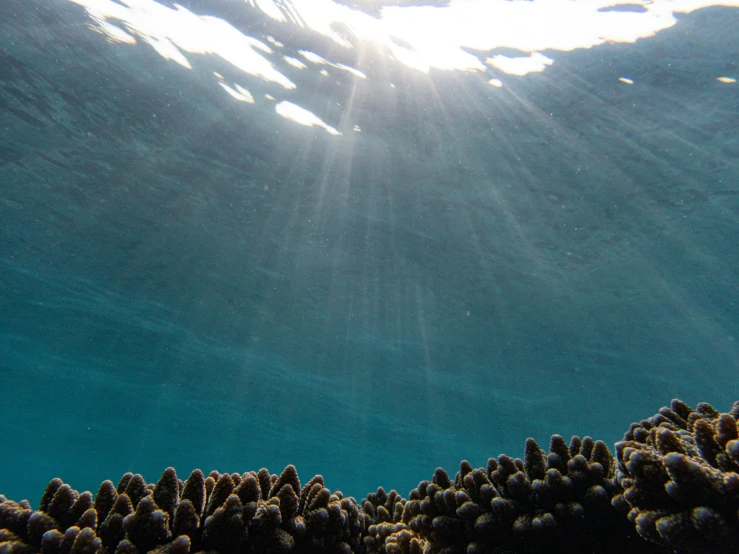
(366, 240)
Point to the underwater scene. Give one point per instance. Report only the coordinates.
(469, 268)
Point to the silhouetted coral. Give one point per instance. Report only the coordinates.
(674, 480)
(679, 471)
(547, 502)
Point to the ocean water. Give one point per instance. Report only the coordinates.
(366, 242)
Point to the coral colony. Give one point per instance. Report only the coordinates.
(673, 486)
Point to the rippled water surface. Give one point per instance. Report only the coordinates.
(368, 242)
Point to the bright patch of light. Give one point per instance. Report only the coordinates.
(316, 59)
(520, 65)
(277, 43)
(426, 37)
(321, 16)
(312, 57)
(295, 113)
(175, 32)
(269, 8)
(111, 32)
(240, 93)
(453, 37)
(167, 50)
(297, 64)
(351, 70)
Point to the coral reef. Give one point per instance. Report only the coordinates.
(227, 513)
(679, 471)
(386, 532)
(556, 501)
(673, 486)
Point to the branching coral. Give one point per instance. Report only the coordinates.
(680, 474)
(230, 514)
(672, 487)
(548, 502)
(386, 532)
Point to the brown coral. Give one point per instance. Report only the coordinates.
(548, 502)
(674, 480)
(679, 471)
(386, 532)
(250, 513)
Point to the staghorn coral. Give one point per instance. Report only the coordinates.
(679, 471)
(674, 480)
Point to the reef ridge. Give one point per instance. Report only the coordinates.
(672, 486)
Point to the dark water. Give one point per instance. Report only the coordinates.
(194, 281)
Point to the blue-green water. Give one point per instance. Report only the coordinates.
(191, 280)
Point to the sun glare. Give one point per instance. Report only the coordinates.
(466, 35)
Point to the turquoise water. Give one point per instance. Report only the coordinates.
(189, 279)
